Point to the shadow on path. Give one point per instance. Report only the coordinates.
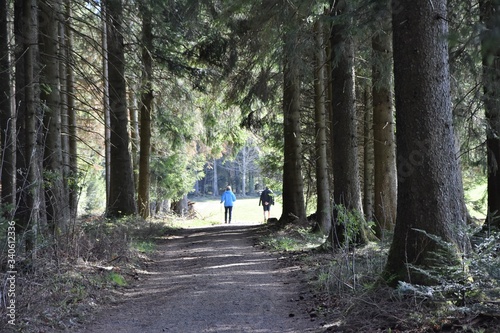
(210, 280)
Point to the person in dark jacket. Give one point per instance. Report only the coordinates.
(267, 199)
(228, 198)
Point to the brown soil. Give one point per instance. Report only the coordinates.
(212, 280)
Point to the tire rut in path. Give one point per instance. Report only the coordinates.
(210, 280)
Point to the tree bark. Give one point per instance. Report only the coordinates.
(368, 158)
(244, 170)
(30, 210)
(146, 107)
(105, 101)
(430, 193)
(490, 50)
(383, 123)
(7, 121)
(63, 93)
(293, 196)
(72, 125)
(347, 191)
(215, 180)
(134, 130)
(121, 182)
(323, 210)
(56, 199)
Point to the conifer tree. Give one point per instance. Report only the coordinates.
(430, 193)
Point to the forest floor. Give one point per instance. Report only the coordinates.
(230, 279)
(212, 280)
(220, 279)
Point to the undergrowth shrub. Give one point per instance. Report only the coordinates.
(352, 271)
(471, 284)
(67, 276)
(291, 239)
(467, 286)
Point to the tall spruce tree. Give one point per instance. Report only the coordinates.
(430, 194)
(293, 191)
(490, 49)
(121, 183)
(30, 207)
(55, 189)
(385, 186)
(346, 189)
(324, 212)
(146, 106)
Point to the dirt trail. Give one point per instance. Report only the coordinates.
(211, 280)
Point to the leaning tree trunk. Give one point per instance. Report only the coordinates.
(293, 196)
(323, 211)
(347, 191)
(490, 49)
(121, 183)
(430, 193)
(383, 123)
(146, 106)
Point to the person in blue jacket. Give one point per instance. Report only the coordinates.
(228, 198)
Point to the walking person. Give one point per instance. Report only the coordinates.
(228, 198)
(267, 199)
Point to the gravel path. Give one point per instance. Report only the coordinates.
(211, 280)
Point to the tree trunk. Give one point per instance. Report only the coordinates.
(146, 106)
(244, 170)
(7, 121)
(72, 126)
(383, 123)
(490, 50)
(293, 196)
(105, 101)
(63, 94)
(121, 182)
(30, 211)
(347, 191)
(21, 77)
(323, 210)
(134, 131)
(368, 158)
(215, 183)
(56, 200)
(430, 193)
(181, 206)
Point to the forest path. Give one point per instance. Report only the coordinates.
(212, 280)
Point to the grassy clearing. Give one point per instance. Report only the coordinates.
(245, 211)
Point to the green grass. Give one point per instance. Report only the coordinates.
(117, 279)
(144, 246)
(245, 210)
(298, 240)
